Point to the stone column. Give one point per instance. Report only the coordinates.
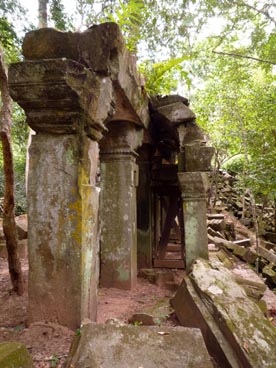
(144, 208)
(119, 179)
(193, 186)
(63, 198)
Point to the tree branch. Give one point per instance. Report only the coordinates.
(232, 54)
(260, 11)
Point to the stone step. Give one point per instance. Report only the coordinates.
(168, 263)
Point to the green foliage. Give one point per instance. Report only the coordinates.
(54, 361)
(236, 106)
(161, 78)
(8, 35)
(78, 332)
(57, 14)
(129, 16)
(235, 163)
(137, 323)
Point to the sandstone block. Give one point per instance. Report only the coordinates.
(249, 334)
(111, 346)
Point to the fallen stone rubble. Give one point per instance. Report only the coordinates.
(222, 236)
(227, 196)
(235, 329)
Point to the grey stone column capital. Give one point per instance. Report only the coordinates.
(193, 185)
(123, 138)
(61, 96)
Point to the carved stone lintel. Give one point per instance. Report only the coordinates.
(61, 96)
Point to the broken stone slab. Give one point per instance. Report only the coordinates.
(161, 310)
(192, 312)
(270, 275)
(14, 355)
(268, 245)
(217, 224)
(223, 243)
(213, 233)
(249, 334)
(250, 256)
(270, 256)
(230, 226)
(239, 251)
(254, 289)
(111, 346)
(224, 258)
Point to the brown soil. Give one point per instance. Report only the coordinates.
(49, 343)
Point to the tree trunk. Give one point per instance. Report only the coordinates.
(42, 13)
(9, 225)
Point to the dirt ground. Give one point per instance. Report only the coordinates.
(49, 343)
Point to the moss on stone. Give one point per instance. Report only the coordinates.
(15, 355)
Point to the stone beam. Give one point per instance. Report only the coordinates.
(67, 105)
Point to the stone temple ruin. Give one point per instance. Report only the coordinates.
(117, 182)
(112, 175)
